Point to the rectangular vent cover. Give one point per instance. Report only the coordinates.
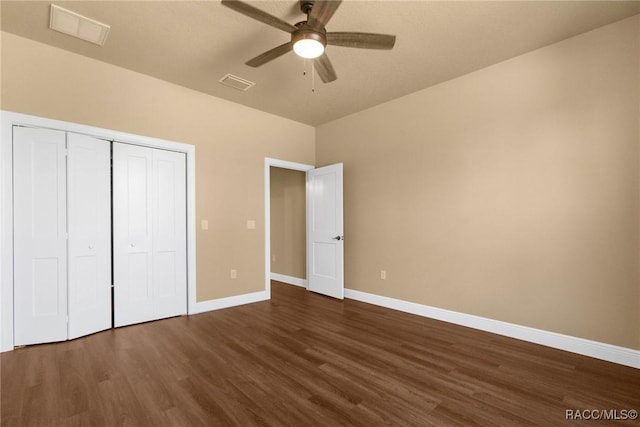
(76, 25)
(236, 82)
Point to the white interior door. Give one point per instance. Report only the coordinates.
(325, 239)
(132, 238)
(40, 236)
(149, 234)
(89, 219)
(169, 222)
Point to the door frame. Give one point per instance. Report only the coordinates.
(7, 120)
(284, 164)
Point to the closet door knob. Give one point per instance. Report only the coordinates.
(133, 245)
(90, 246)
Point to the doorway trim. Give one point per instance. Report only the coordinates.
(284, 164)
(7, 120)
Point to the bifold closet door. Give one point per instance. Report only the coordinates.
(149, 234)
(89, 248)
(62, 233)
(40, 235)
(169, 225)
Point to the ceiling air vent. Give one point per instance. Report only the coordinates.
(236, 82)
(79, 26)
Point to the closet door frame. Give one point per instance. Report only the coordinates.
(10, 119)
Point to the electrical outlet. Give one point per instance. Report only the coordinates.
(273, 258)
(383, 274)
(234, 274)
(205, 224)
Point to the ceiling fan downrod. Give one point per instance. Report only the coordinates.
(306, 6)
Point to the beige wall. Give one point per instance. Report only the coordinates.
(288, 223)
(231, 142)
(510, 193)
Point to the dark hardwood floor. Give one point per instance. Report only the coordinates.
(306, 360)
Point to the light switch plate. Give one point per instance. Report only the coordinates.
(251, 224)
(205, 224)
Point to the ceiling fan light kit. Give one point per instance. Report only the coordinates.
(307, 42)
(308, 48)
(310, 38)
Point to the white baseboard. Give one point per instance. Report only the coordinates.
(611, 353)
(289, 280)
(220, 303)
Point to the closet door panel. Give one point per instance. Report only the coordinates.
(169, 233)
(40, 236)
(89, 218)
(149, 221)
(132, 234)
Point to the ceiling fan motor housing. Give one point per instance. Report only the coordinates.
(305, 31)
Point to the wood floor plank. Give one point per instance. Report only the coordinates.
(302, 359)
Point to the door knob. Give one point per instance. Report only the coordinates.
(90, 246)
(338, 238)
(133, 245)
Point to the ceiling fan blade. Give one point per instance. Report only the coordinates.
(322, 11)
(270, 55)
(325, 69)
(361, 40)
(259, 15)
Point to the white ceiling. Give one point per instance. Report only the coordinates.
(195, 43)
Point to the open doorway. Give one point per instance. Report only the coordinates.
(270, 164)
(324, 224)
(288, 226)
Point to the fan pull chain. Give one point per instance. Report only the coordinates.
(304, 68)
(313, 77)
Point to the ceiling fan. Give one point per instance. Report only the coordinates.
(309, 38)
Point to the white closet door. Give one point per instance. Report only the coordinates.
(169, 233)
(149, 232)
(132, 234)
(40, 242)
(89, 219)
